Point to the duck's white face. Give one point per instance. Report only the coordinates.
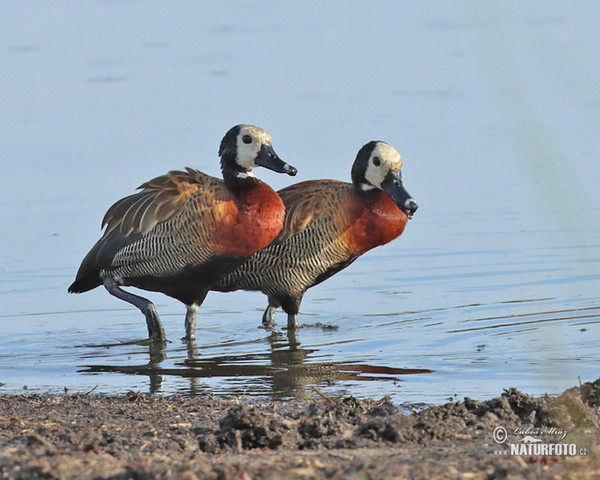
(384, 158)
(383, 170)
(250, 140)
(244, 147)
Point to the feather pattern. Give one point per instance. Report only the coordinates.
(182, 220)
(184, 230)
(327, 226)
(159, 200)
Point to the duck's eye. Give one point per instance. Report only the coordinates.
(247, 139)
(376, 161)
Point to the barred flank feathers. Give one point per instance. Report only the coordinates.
(310, 244)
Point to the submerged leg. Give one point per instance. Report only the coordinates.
(291, 305)
(190, 316)
(293, 322)
(155, 328)
(190, 322)
(292, 336)
(268, 319)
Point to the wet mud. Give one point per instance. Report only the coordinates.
(136, 436)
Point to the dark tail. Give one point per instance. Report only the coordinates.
(88, 275)
(84, 284)
(98, 258)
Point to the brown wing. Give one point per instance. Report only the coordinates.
(306, 202)
(166, 226)
(160, 200)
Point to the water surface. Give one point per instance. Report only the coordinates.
(495, 108)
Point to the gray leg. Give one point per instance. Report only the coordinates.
(291, 305)
(268, 319)
(190, 322)
(293, 323)
(190, 315)
(155, 328)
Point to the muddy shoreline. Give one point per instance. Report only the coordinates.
(136, 436)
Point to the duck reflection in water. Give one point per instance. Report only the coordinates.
(285, 371)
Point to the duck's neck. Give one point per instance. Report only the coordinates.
(236, 178)
(366, 193)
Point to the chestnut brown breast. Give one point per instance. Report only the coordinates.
(249, 222)
(376, 221)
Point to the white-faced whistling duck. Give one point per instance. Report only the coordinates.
(328, 225)
(184, 230)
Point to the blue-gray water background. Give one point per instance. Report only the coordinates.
(495, 107)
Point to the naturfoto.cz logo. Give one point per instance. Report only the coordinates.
(530, 445)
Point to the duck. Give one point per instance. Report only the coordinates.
(328, 225)
(184, 230)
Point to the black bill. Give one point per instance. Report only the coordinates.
(392, 185)
(269, 159)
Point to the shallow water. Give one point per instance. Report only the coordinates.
(496, 109)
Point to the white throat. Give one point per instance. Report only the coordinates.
(366, 187)
(244, 175)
